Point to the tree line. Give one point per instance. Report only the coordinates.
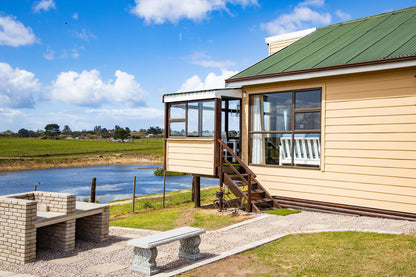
(53, 131)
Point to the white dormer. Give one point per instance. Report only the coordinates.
(279, 42)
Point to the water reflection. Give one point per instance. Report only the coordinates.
(113, 181)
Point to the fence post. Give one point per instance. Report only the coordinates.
(93, 185)
(134, 193)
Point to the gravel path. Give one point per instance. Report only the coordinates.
(114, 257)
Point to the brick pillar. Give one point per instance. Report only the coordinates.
(17, 230)
(94, 227)
(60, 236)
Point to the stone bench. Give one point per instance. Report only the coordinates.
(145, 251)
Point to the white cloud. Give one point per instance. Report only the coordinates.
(49, 55)
(211, 81)
(14, 33)
(160, 11)
(9, 113)
(318, 3)
(84, 35)
(75, 16)
(343, 15)
(202, 59)
(88, 89)
(17, 87)
(43, 5)
(302, 17)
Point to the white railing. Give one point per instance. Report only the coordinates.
(307, 151)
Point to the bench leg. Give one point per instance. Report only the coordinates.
(145, 261)
(190, 248)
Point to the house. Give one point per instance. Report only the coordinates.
(328, 122)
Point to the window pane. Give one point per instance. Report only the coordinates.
(234, 118)
(208, 116)
(177, 111)
(269, 149)
(278, 111)
(308, 121)
(193, 115)
(271, 112)
(177, 129)
(307, 150)
(308, 99)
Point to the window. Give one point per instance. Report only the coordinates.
(286, 128)
(193, 119)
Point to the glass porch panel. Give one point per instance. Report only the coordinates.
(193, 119)
(208, 119)
(307, 150)
(177, 129)
(233, 118)
(177, 111)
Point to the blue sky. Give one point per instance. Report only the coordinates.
(86, 63)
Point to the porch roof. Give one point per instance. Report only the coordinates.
(202, 95)
(376, 40)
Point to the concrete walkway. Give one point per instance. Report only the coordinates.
(114, 258)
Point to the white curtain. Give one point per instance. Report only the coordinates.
(257, 154)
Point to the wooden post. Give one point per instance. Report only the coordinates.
(164, 188)
(193, 191)
(249, 193)
(221, 172)
(196, 182)
(134, 194)
(93, 185)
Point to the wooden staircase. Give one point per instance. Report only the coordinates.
(242, 182)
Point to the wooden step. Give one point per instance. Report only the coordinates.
(262, 201)
(257, 191)
(237, 177)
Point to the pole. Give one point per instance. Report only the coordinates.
(164, 187)
(93, 185)
(196, 183)
(134, 194)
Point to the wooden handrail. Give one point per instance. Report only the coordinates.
(237, 158)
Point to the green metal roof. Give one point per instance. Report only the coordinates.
(385, 36)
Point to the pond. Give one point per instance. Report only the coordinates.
(113, 181)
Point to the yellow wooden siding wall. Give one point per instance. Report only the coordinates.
(190, 156)
(368, 143)
(278, 45)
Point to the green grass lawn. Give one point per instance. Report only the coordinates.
(34, 147)
(154, 220)
(324, 254)
(179, 212)
(155, 202)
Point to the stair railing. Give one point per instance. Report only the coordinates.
(250, 174)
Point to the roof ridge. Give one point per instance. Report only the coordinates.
(369, 17)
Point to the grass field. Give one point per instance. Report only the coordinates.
(33, 147)
(32, 153)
